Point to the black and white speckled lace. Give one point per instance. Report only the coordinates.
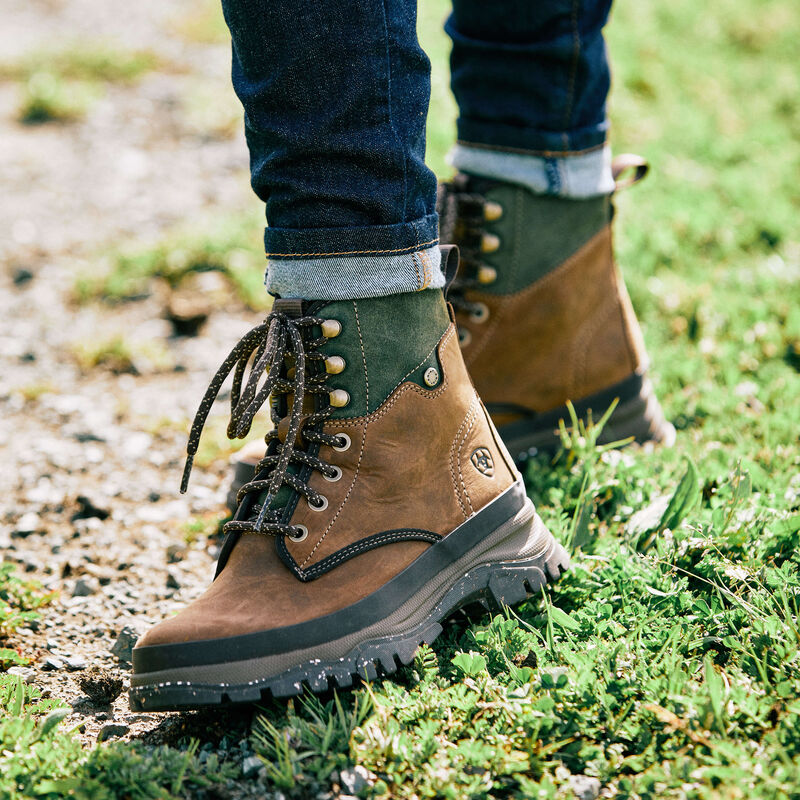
(270, 348)
(461, 222)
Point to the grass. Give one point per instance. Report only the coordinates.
(59, 84)
(230, 246)
(666, 663)
(39, 759)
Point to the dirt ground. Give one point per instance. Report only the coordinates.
(91, 460)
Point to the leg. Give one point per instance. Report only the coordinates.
(544, 316)
(385, 499)
(335, 98)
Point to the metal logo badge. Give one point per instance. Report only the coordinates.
(481, 459)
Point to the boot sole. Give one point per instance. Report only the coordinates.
(638, 414)
(508, 560)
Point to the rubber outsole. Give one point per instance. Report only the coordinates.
(638, 414)
(504, 582)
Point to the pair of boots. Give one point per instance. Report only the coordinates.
(387, 496)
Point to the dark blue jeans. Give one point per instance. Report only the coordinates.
(336, 97)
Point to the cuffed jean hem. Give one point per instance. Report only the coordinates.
(497, 135)
(367, 240)
(581, 175)
(354, 277)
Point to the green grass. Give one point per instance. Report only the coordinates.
(59, 84)
(230, 246)
(39, 759)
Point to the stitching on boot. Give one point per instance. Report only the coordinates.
(369, 543)
(423, 392)
(579, 348)
(453, 457)
(342, 504)
(363, 353)
(412, 387)
(472, 414)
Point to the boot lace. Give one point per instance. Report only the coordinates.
(461, 222)
(267, 348)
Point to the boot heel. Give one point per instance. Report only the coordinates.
(511, 582)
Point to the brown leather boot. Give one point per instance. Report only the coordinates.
(385, 502)
(543, 314)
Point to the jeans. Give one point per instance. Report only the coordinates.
(336, 97)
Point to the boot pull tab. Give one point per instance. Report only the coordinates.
(291, 306)
(449, 264)
(623, 164)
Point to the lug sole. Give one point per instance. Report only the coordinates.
(638, 415)
(510, 563)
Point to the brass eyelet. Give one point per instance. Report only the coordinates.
(334, 365)
(487, 274)
(322, 506)
(301, 536)
(464, 337)
(345, 446)
(331, 328)
(335, 477)
(489, 243)
(480, 313)
(339, 398)
(492, 211)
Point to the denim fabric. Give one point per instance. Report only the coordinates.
(336, 96)
(356, 277)
(578, 176)
(530, 75)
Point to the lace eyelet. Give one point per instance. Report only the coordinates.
(487, 274)
(464, 337)
(334, 365)
(492, 211)
(490, 243)
(335, 477)
(331, 328)
(480, 313)
(345, 446)
(301, 536)
(322, 505)
(339, 398)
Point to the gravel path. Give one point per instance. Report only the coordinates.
(91, 460)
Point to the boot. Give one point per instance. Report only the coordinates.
(543, 314)
(385, 501)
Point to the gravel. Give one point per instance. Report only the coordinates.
(90, 457)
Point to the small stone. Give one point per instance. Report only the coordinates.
(354, 780)
(90, 508)
(251, 766)
(123, 646)
(75, 663)
(175, 552)
(584, 787)
(21, 276)
(26, 673)
(85, 587)
(27, 524)
(173, 582)
(112, 730)
(102, 686)
(53, 664)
